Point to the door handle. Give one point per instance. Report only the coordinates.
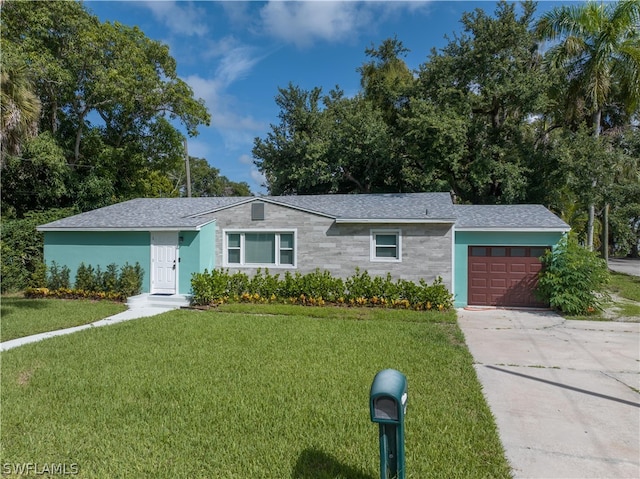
(174, 264)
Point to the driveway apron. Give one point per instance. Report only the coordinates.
(565, 394)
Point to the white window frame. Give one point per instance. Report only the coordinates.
(373, 245)
(243, 264)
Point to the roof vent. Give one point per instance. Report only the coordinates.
(257, 211)
(426, 212)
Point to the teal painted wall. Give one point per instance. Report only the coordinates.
(464, 239)
(208, 247)
(100, 248)
(71, 248)
(196, 254)
(189, 254)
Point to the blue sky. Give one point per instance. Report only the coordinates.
(235, 55)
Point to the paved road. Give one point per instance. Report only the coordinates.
(625, 265)
(565, 394)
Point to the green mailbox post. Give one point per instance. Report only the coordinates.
(388, 405)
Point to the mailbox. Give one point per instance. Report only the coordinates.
(388, 397)
(388, 406)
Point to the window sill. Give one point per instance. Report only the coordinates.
(262, 266)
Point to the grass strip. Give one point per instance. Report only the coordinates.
(625, 285)
(236, 395)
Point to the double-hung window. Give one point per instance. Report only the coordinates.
(260, 248)
(386, 245)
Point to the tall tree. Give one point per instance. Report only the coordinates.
(108, 94)
(327, 144)
(293, 155)
(35, 179)
(386, 79)
(598, 44)
(20, 109)
(207, 181)
(485, 86)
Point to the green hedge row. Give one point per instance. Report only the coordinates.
(318, 288)
(115, 282)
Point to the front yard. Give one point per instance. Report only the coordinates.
(625, 291)
(21, 317)
(247, 391)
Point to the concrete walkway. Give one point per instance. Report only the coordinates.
(135, 313)
(565, 394)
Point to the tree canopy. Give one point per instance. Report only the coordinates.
(91, 111)
(492, 117)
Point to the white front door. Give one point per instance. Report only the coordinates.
(164, 262)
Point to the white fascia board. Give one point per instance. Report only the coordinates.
(117, 228)
(153, 228)
(96, 230)
(453, 261)
(515, 230)
(394, 221)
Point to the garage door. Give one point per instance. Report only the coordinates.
(504, 275)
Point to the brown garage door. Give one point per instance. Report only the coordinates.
(504, 275)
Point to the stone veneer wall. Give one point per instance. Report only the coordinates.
(340, 248)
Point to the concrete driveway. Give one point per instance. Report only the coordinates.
(565, 394)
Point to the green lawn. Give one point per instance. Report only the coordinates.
(247, 392)
(627, 288)
(21, 317)
(625, 285)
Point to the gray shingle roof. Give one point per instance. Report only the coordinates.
(506, 217)
(390, 206)
(144, 214)
(187, 213)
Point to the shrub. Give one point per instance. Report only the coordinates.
(85, 278)
(92, 283)
(320, 284)
(263, 284)
(110, 278)
(58, 277)
(238, 283)
(21, 259)
(291, 285)
(210, 288)
(38, 277)
(130, 280)
(573, 278)
(317, 288)
(359, 285)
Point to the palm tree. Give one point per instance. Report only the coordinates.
(20, 110)
(598, 45)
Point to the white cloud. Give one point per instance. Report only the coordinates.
(182, 18)
(237, 130)
(198, 148)
(245, 159)
(236, 64)
(238, 13)
(258, 177)
(234, 59)
(301, 23)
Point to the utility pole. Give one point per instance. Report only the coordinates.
(187, 167)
